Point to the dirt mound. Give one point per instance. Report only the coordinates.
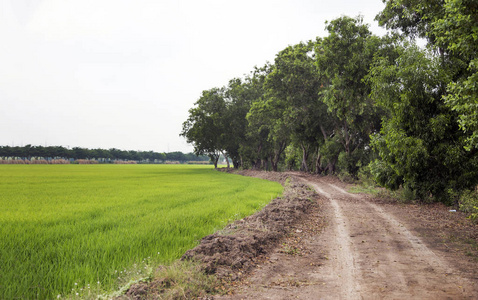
(272, 176)
(236, 247)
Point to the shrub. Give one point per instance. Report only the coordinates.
(408, 195)
(468, 203)
(87, 162)
(125, 162)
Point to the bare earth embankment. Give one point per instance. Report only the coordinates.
(343, 246)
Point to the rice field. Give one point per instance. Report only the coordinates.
(79, 230)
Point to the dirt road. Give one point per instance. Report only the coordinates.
(364, 251)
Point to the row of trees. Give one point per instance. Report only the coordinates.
(310, 109)
(354, 101)
(29, 151)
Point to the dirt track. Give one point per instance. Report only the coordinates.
(364, 251)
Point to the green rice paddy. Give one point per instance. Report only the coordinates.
(70, 229)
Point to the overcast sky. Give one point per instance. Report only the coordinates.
(123, 73)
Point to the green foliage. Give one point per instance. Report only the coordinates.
(365, 177)
(468, 203)
(411, 17)
(450, 27)
(344, 162)
(267, 130)
(419, 144)
(69, 226)
(330, 151)
(408, 195)
(293, 87)
(252, 139)
(292, 157)
(239, 96)
(463, 98)
(385, 175)
(457, 31)
(343, 60)
(205, 127)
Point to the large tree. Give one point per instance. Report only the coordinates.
(294, 82)
(343, 62)
(205, 126)
(255, 148)
(239, 96)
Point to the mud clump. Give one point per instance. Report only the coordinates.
(234, 250)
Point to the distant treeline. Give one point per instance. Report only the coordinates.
(29, 151)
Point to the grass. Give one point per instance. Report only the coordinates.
(359, 189)
(68, 229)
(184, 280)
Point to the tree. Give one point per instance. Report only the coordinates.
(343, 62)
(81, 153)
(412, 17)
(420, 146)
(239, 96)
(267, 131)
(204, 127)
(176, 156)
(457, 32)
(294, 82)
(450, 27)
(256, 150)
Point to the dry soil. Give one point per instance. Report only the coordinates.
(351, 246)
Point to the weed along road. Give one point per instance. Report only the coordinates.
(363, 250)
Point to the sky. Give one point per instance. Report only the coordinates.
(123, 74)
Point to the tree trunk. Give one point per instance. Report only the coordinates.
(265, 164)
(323, 132)
(258, 164)
(346, 137)
(274, 166)
(331, 167)
(318, 168)
(305, 156)
(227, 160)
(275, 162)
(277, 153)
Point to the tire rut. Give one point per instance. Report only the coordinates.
(390, 261)
(361, 252)
(344, 269)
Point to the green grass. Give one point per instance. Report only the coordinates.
(64, 228)
(359, 189)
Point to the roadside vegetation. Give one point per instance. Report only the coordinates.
(354, 103)
(73, 230)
